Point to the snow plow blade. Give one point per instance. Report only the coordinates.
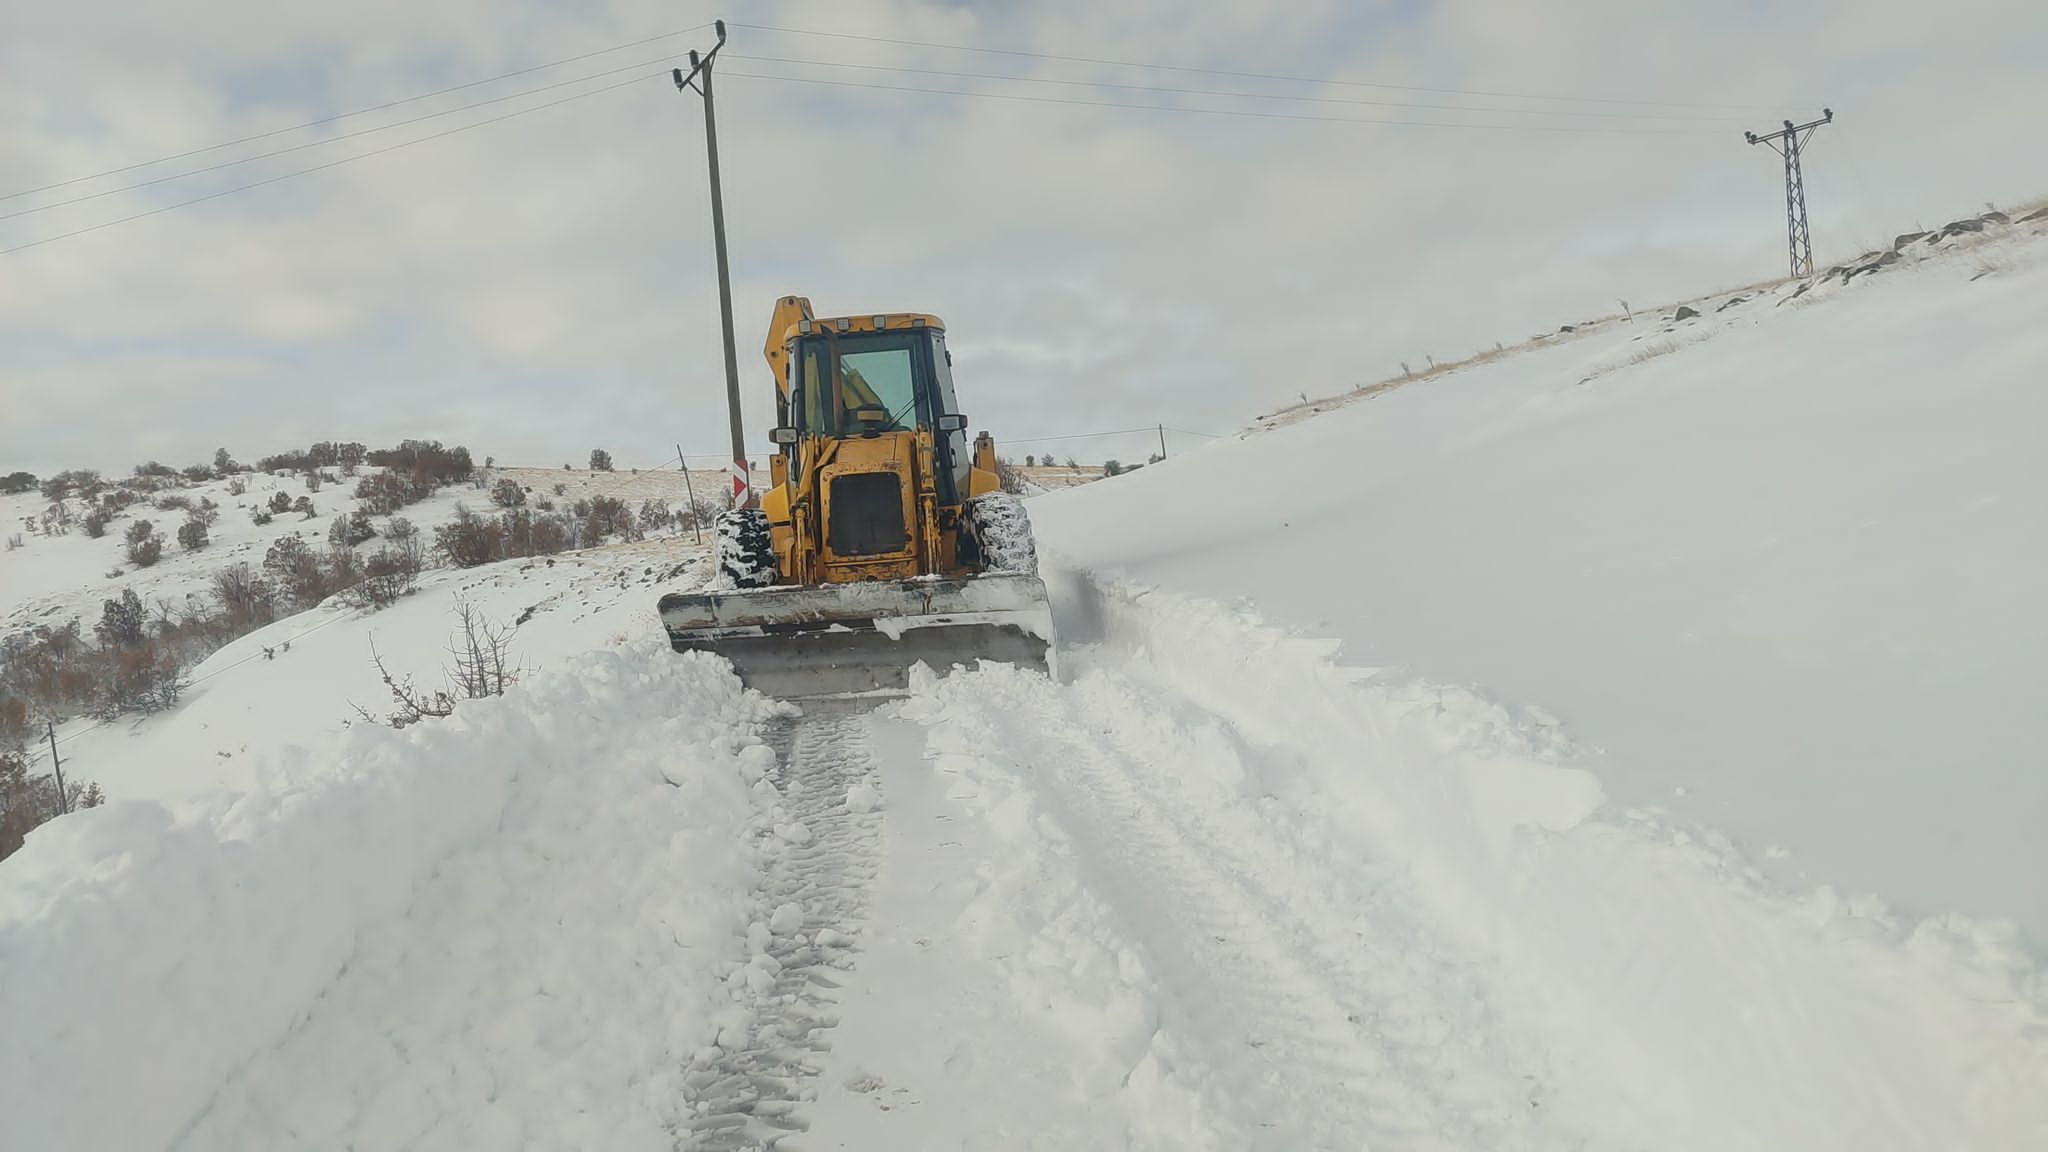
(863, 639)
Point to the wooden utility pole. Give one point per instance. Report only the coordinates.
(1162, 441)
(699, 80)
(683, 462)
(57, 769)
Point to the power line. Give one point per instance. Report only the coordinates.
(330, 164)
(360, 111)
(331, 139)
(1239, 112)
(1149, 428)
(1239, 75)
(1232, 93)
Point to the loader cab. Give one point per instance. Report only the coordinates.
(875, 377)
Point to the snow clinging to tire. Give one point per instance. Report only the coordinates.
(1001, 529)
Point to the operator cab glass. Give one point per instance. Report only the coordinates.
(854, 384)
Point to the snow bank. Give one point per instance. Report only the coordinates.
(1441, 866)
(1784, 576)
(427, 943)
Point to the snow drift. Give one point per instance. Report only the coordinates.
(582, 839)
(1525, 965)
(1779, 564)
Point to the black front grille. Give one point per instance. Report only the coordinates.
(866, 515)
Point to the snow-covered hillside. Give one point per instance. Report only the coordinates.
(1254, 873)
(52, 578)
(1777, 567)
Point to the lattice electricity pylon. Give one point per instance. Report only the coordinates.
(1789, 142)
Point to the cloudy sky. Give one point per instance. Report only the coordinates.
(541, 285)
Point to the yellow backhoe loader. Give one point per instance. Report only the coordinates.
(883, 539)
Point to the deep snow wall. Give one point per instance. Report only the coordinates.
(146, 956)
(1780, 564)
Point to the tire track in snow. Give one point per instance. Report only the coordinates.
(1454, 1067)
(1326, 1030)
(1261, 1036)
(747, 1093)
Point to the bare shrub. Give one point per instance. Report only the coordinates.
(508, 494)
(605, 517)
(192, 534)
(123, 624)
(1008, 478)
(14, 542)
(206, 512)
(238, 487)
(388, 573)
(261, 516)
(351, 529)
(141, 679)
(655, 516)
(469, 540)
(95, 524)
(382, 493)
(312, 480)
(145, 547)
(481, 650)
(413, 705)
(246, 599)
(298, 571)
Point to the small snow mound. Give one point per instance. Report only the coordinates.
(788, 918)
(862, 798)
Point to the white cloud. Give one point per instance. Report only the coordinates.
(538, 286)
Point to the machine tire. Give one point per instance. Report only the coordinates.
(746, 559)
(995, 535)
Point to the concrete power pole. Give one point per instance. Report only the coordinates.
(699, 81)
(1790, 142)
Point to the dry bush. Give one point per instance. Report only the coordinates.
(192, 534)
(95, 524)
(382, 493)
(508, 494)
(247, 600)
(351, 529)
(144, 546)
(298, 572)
(469, 540)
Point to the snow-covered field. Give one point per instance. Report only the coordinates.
(1777, 567)
(1258, 872)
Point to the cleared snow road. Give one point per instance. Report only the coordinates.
(1211, 891)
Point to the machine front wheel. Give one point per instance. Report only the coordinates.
(746, 559)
